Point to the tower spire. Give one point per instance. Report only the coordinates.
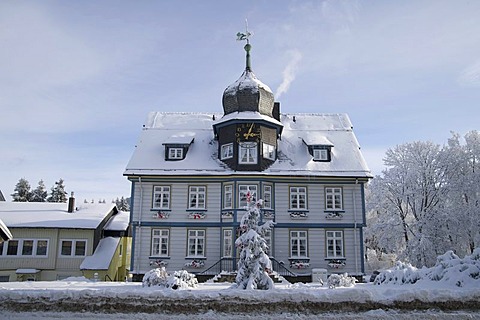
(246, 36)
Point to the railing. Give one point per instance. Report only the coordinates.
(107, 277)
(224, 264)
(281, 269)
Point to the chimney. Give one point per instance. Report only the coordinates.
(276, 111)
(71, 203)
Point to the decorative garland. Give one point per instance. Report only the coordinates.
(336, 264)
(161, 215)
(299, 264)
(197, 215)
(227, 214)
(158, 263)
(195, 264)
(298, 214)
(334, 215)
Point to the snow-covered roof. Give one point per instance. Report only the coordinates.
(118, 222)
(293, 157)
(4, 232)
(53, 215)
(102, 257)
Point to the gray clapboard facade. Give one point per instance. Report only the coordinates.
(191, 173)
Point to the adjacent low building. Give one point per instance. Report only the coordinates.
(53, 241)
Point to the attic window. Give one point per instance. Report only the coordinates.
(320, 154)
(175, 153)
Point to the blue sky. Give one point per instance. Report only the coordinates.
(77, 78)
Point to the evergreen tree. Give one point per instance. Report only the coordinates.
(22, 191)
(122, 204)
(40, 193)
(254, 265)
(58, 193)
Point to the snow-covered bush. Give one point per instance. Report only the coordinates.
(449, 269)
(402, 273)
(178, 280)
(340, 280)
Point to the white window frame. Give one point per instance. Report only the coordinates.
(175, 153)
(267, 196)
(268, 151)
(333, 198)
(320, 154)
(227, 243)
(243, 189)
(21, 246)
(298, 239)
(298, 198)
(247, 153)
(226, 151)
(160, 243)
(197, 197)
(228, 196)
(196, 243)
(334, 244)
(163, 193)
(73, 250)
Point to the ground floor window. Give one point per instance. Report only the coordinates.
(227, 243)
(298, 244)
(334, 244)
(160, 240)
(196, 243)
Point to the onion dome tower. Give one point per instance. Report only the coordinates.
(248, 93)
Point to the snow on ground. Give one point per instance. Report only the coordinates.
(449, 290)
(209, 300)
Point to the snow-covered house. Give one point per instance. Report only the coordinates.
(191, 174)
(53, 241)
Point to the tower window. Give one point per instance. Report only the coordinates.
(268, 151)
(247, 153)
(226, 151)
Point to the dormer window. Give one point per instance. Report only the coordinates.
(320, 154)
(319, 147)
(175, 153)
(226, 151)
(176, 146)
(247, 153)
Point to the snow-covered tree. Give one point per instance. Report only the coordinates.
(40, 193)
(58, 193)
(122, 204)
(21, 193)
(427, 201)
(408, 198)
(254, 265)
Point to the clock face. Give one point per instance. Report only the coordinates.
(248, 132)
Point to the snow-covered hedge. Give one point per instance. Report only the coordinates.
(449, 269)
(340, 280)
(178, 280)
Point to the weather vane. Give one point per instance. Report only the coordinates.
(244, 36)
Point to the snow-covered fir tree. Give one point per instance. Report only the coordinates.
(40, 193)
(58, 193)
(254, 265)
(122, 204)
(21, 193)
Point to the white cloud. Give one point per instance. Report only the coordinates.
(470, 76)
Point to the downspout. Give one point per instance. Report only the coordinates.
(137, 258)
(355, 227)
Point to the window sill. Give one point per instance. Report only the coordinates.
(160, 209)
(199, 209)
(195, 258)
(159, 257)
